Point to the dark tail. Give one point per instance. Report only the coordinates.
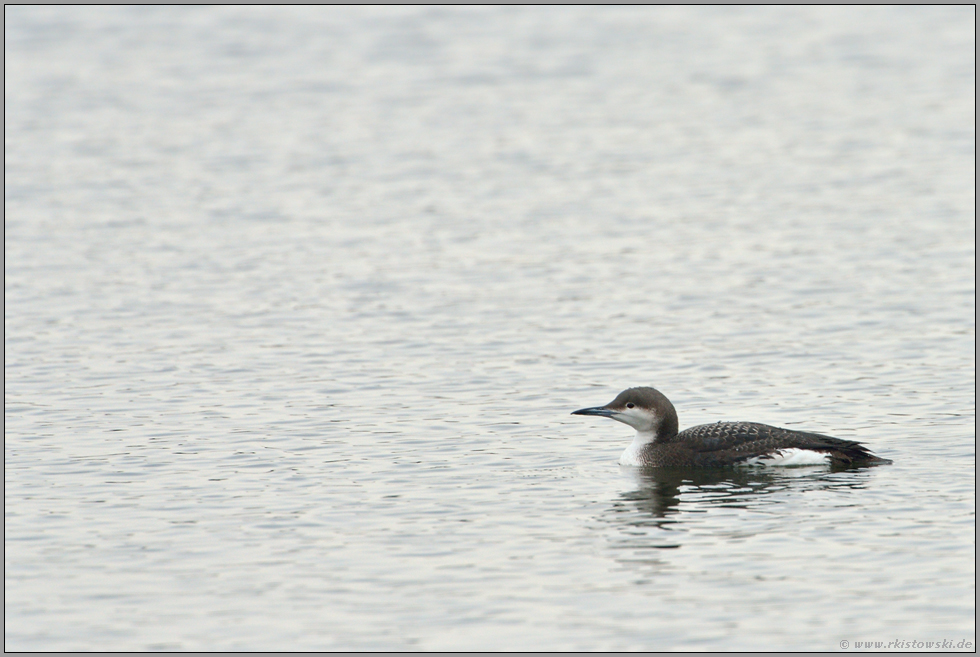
(843, 452)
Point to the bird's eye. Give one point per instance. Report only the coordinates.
(631, 405)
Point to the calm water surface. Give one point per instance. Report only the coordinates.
(298, 302)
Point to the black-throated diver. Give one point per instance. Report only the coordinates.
(658, 444)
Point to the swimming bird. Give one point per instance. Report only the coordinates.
(658, 444)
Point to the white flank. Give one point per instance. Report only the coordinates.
(790, 457)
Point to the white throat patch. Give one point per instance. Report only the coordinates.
(632, 454)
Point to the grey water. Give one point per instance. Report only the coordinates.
(298, 302)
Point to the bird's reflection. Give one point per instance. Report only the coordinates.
(665, 509)
(666, 498)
